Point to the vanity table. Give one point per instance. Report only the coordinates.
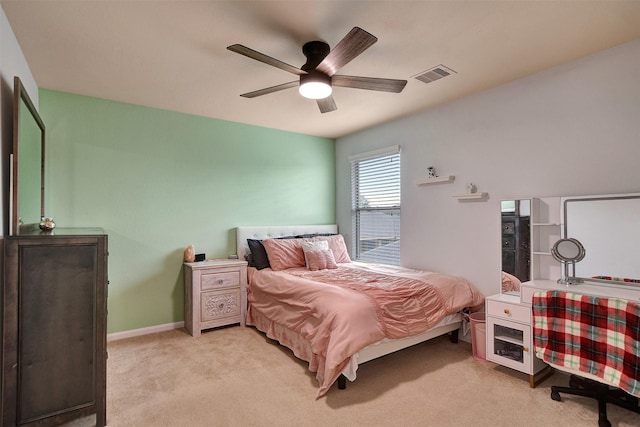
(606, 226)
(510, 327)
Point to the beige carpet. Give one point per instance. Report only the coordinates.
(236, 377)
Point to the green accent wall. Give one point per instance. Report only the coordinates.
(157, 181)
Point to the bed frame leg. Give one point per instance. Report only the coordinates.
(342, 382)
(454, 336)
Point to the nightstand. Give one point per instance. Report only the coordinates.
(215, 294)
(510, 336)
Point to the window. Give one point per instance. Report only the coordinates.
(375, 202)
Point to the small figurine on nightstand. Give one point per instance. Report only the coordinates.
(431, 172)
(471, 188)
(189, 254)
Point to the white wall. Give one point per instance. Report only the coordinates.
(570, 130)
(12, 63)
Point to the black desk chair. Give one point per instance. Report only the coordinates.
(601, 392)
(572, 333)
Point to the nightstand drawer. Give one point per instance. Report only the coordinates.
(220, 304)
(509, 311)
(219, 280)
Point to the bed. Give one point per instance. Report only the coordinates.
(335, 313)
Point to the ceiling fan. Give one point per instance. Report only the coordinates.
(317, 75)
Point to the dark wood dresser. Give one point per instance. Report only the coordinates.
(54, 327)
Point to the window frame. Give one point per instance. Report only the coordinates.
(391, 190)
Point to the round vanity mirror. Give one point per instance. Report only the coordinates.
(568, 251)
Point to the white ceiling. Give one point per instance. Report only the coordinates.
(172, 54)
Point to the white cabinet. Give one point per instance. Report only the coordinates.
(510, 336)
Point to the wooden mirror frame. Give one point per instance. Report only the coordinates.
(20, 95)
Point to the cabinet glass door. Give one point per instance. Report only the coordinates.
(508, 344)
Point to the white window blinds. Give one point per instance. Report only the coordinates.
(375, 201)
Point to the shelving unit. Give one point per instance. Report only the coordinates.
(546, 229)
(436, 180)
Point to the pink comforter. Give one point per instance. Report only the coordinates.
(341, 311)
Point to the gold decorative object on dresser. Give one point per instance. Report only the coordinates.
(215, 294)
(54, 327)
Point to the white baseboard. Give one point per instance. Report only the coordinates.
(144, 331)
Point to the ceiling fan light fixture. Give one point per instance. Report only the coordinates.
(315, 85)
(318, 74)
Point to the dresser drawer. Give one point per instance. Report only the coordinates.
(508, 243)
(220, 304)
(508, 228)
(509, 311)
(217, 280)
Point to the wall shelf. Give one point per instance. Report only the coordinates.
(471, 196)
(436, 180)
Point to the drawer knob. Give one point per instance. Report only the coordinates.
(507, 312)
(220, 281)
(526, 349)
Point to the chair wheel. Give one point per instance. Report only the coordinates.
(604, 423)
(556, 396)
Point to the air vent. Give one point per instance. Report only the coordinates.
(433, 74)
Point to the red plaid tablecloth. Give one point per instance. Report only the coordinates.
(597, 336)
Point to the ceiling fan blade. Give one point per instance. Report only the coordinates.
(369, 83)
(254, 54)
(327, 104)
(352, 45)
(271, 89)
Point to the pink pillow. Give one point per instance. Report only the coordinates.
(337, 246)
(284, 253)
(321, 260)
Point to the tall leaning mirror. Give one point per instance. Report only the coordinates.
(27, 175)
(516, 244)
